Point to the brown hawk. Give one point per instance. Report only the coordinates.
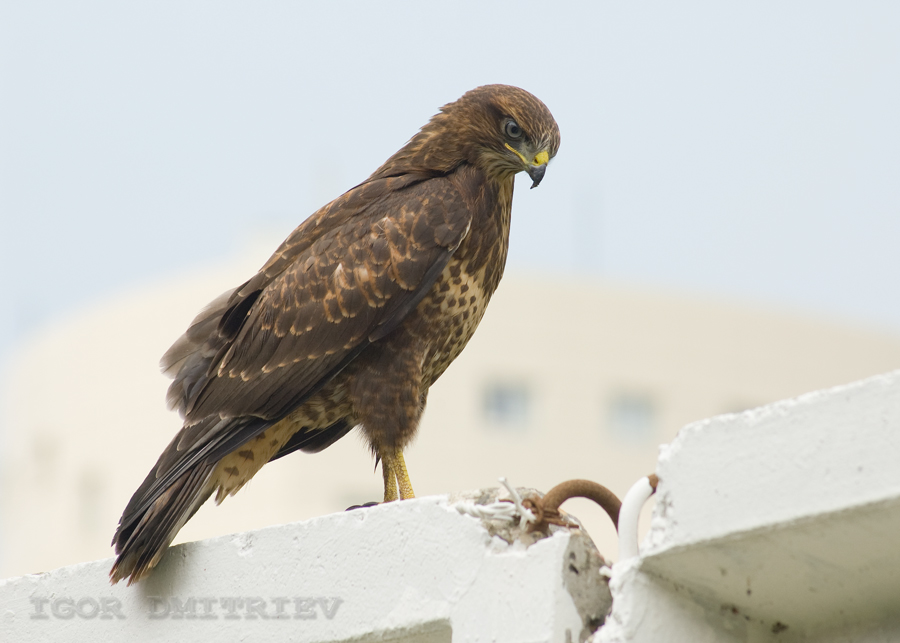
(349, 323)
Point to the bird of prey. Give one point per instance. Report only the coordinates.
(349, 323)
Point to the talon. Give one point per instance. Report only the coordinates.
(373, 503)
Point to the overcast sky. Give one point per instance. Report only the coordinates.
(750, 152)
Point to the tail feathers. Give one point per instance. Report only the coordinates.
(174, 490)
(142, 538)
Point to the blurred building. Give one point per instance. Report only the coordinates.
(564, 379)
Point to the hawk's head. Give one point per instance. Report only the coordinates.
(507, 128)
(499, 128)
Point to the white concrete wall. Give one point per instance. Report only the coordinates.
(780, 523)
(417, 570)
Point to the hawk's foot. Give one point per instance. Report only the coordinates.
(393, 467)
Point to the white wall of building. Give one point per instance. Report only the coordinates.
(563, 379)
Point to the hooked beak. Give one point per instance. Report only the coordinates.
(538, 167)
(536, 172)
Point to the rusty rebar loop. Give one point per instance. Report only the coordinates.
(546, 509)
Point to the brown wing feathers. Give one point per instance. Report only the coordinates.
(245, 364)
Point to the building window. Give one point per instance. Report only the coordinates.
(506, 405)
(633, 416)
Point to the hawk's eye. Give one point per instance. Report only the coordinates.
(512, 129)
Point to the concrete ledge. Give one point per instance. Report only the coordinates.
(416, 570)
(777, 524)
(821, 452)
(780, 523)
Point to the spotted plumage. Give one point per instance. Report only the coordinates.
(349, 323)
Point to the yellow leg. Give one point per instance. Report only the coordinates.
(390, 480)
(403, 481)
(394, 469)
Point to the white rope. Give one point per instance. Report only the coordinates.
(499, 510)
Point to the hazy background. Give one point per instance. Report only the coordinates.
(710, 151)
(750, 152)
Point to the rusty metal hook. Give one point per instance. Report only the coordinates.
(546, 509)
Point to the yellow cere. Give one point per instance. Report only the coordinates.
(541, 158)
